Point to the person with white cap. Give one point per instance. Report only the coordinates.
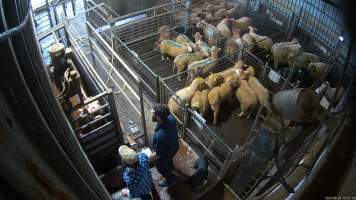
(165, 143)
(137, 174)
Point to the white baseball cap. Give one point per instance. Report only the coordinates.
(128, 155)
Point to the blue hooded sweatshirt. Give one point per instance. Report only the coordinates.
(165, 139)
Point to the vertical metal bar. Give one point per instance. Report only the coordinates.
(291, 26)
(241, 52)
(187, 14)
(231, 158)
(64, 8)
(287, 81)
(254, 125)
(54, 8)
(299, 21)
(115, 116)
(263, 71)
(162, 92)
(226, 165)
(73, 7)
(247, 7)
(91, 45)
(49, 14)
(55, 37)
(185, 120)
(67, 37)
(158, 89)
(86, 6)
(142, 110)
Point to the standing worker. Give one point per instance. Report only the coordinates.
(137, 174)
(165, 143)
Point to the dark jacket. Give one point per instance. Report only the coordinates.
(165, 139)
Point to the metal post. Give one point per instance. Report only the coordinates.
(73, 7)
(112, 105)
(287, 81)
(64, 8)
(229, 161)
(248, 6)
(55, 14)
(158, 89)
(291, 26)
(85, 8)
(142, 110)
(263, 71)
(297, 19)
(49, 14)
(185, 120)
(162, 91)
(90, 34)
(187, 14)
(253, 128)
(241, 51)
(226, 166)
(67, 37)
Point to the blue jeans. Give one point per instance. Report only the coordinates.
(165, 168)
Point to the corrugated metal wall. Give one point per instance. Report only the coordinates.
(315, 17)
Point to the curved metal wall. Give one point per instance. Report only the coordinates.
(39, 154)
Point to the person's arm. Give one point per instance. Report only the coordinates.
(159, 145)
(126, 178)
(144, 160)
(153, 157)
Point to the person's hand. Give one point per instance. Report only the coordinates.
(125, 193)
(153, 157)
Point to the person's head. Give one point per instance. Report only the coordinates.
(160, 113)
(128, 156)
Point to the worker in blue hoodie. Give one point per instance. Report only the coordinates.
(165, 143)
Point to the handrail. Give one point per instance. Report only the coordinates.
(91, 100)
(50, 31)
(93, 122)
(97, 110)
(86, 10)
